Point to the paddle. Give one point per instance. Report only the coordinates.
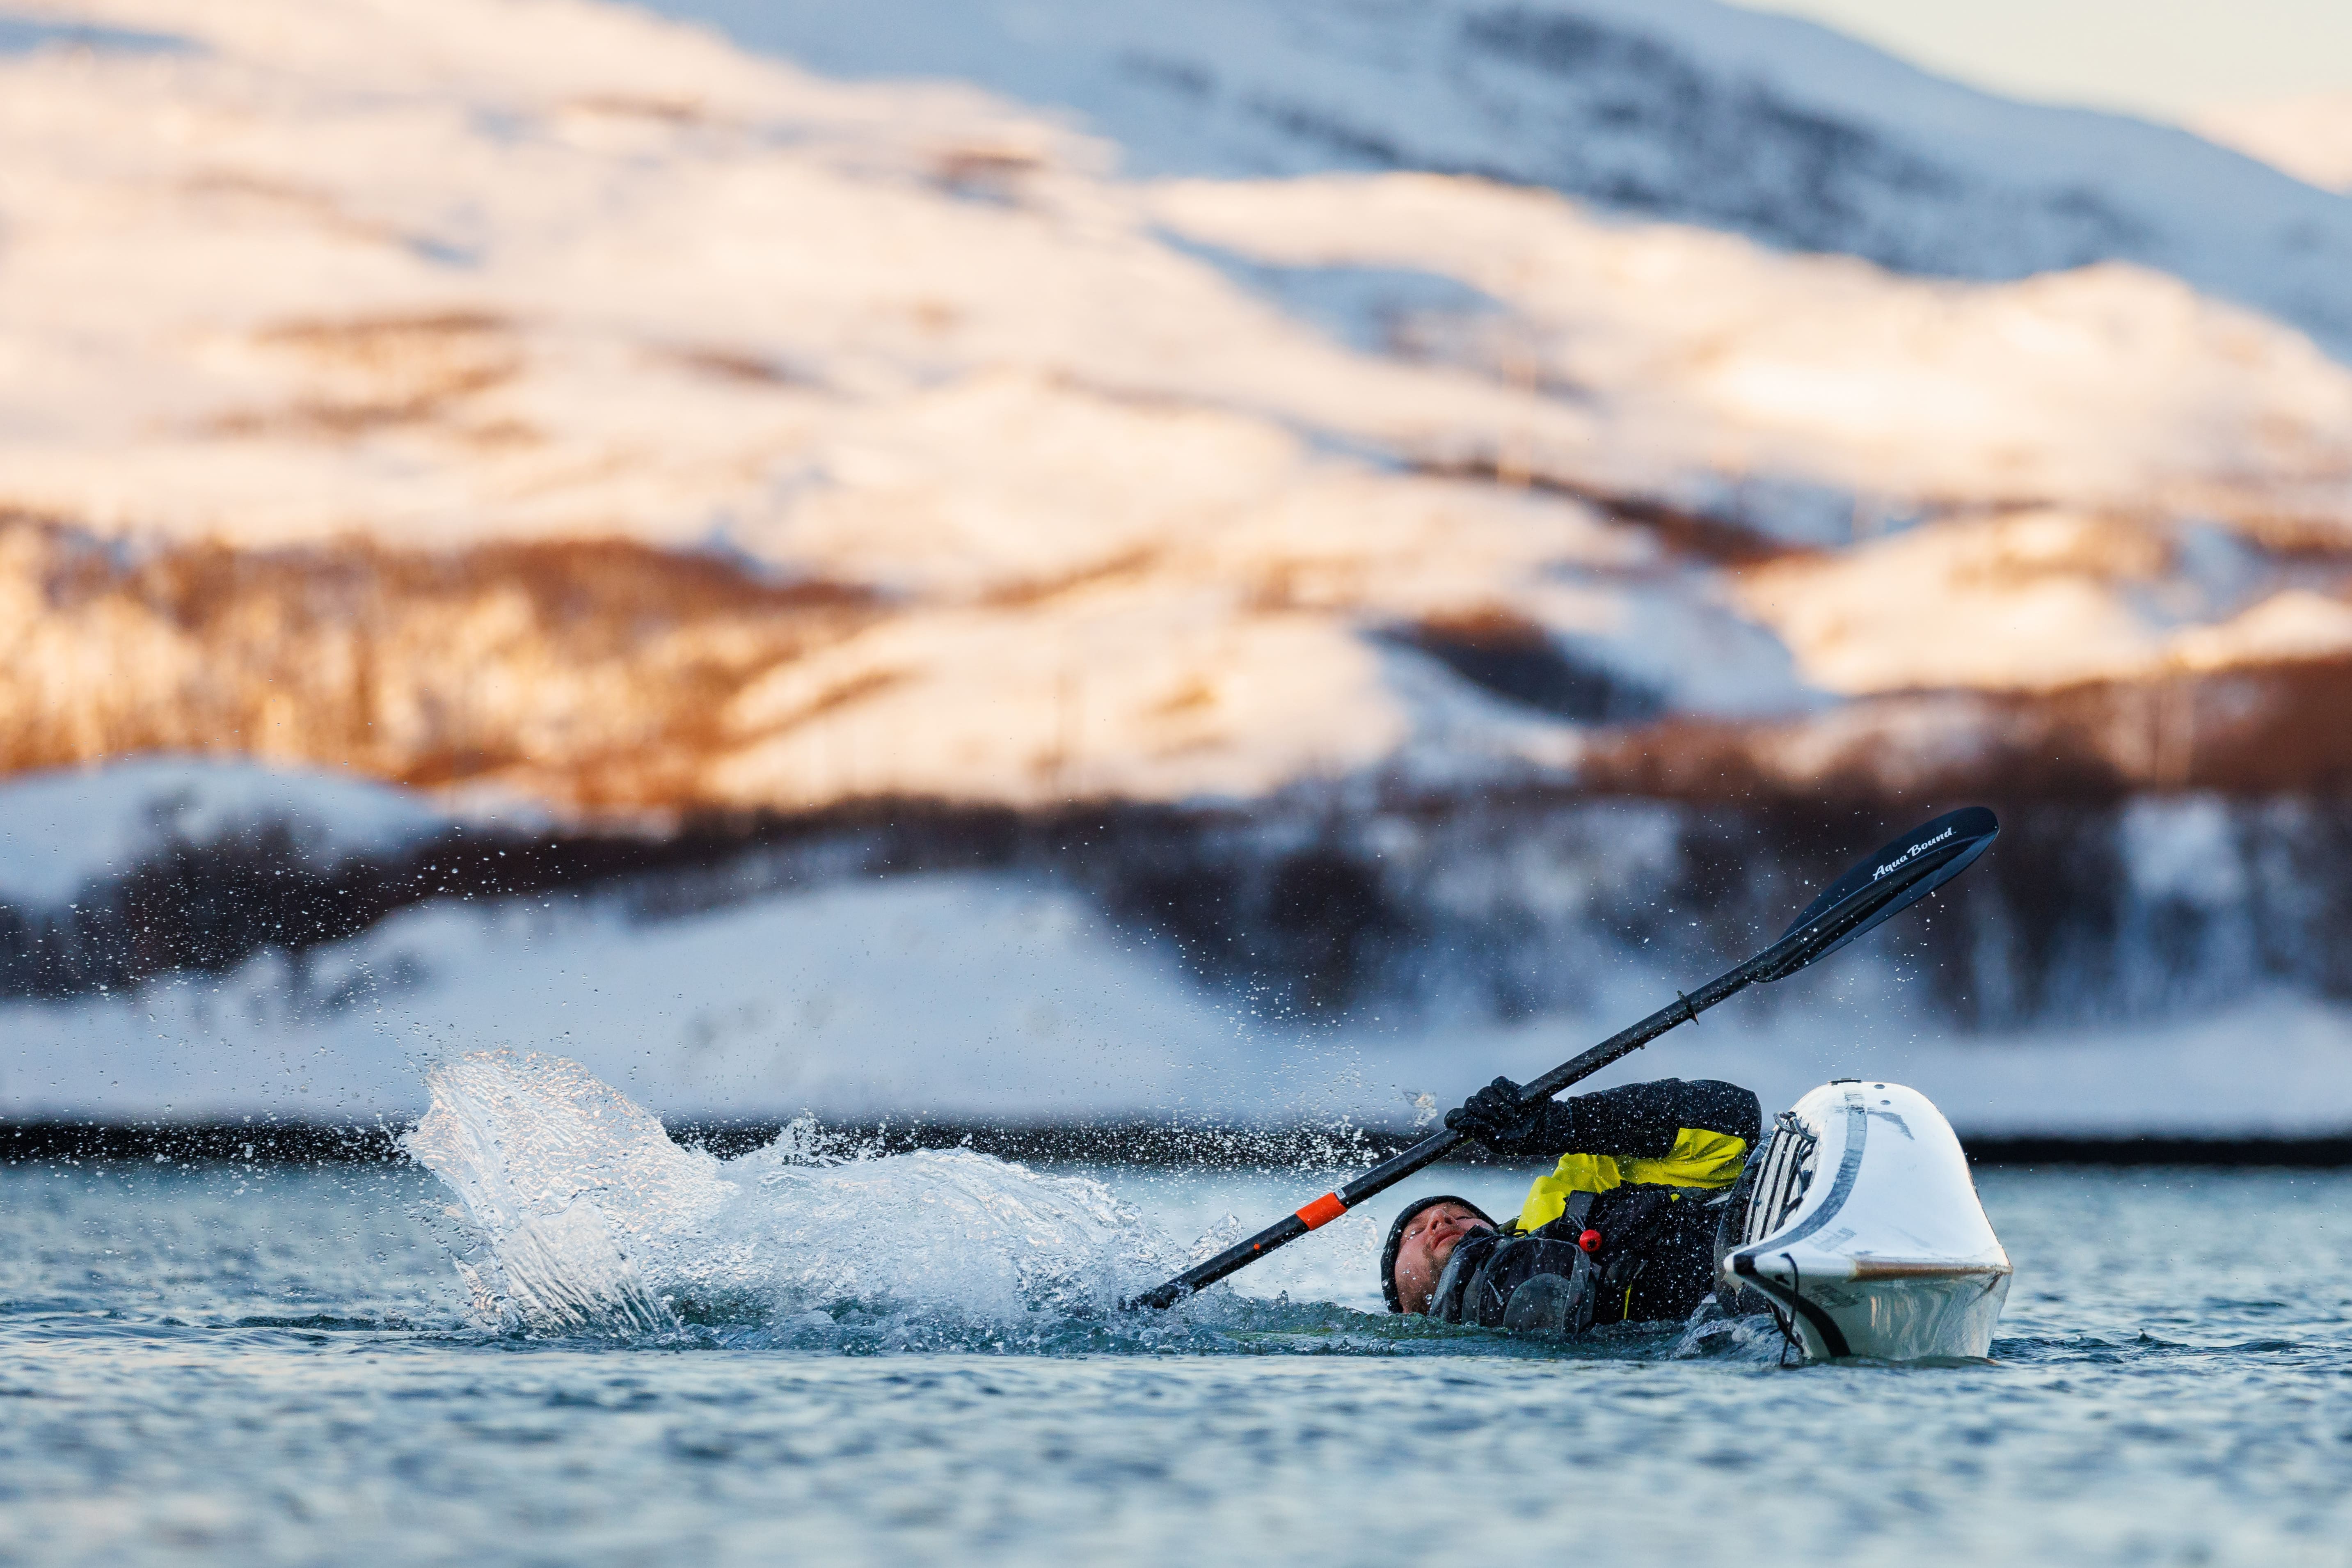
(1896, 877)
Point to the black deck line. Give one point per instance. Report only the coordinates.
(262, 1141)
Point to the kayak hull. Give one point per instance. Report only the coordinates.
(1863, 1233)
(1908, 1317)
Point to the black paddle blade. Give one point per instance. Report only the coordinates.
(1895, 878)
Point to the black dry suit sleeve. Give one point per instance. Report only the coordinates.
(1642, 1119)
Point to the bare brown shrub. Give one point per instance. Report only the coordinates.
(370, 373)
(2252, 730)
(587, 672)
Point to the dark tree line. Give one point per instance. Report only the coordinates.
(1323, 903)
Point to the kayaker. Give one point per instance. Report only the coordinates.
(1621, 1229)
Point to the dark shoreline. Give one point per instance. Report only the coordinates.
(260, 1141)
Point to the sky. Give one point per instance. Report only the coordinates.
(2161, 58)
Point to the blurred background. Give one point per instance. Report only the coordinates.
(1044, 563)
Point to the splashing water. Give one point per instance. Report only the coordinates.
(583, 1217)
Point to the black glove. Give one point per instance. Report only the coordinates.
(1524, 1130)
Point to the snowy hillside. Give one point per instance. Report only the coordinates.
(2166, 967)
(559, 403)
(2310, 138)
(1687, 110)
(61, 832)
(968, 1000)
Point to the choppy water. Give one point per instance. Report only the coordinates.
(223, 1365)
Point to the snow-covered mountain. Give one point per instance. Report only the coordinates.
(1687, 110)
(1297, 582)
(558, 400)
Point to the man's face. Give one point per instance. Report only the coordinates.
(1427, 1242)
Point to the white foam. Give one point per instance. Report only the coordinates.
(583, 1214)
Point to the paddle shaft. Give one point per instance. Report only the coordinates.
(1435, 1147)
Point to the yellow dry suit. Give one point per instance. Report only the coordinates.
(1676, 1150)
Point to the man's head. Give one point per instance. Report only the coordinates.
(1420, 1242)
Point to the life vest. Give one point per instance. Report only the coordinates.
(1601, 1239)
(1710, 1161)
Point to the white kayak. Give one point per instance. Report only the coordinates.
(1864, 1233)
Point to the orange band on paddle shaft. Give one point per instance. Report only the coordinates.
(1323, 1210)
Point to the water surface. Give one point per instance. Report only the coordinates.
(264, 1366)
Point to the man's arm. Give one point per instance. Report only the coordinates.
(1636, 1121)
(1643, 1119)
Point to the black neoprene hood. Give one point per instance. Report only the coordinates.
(1396, 1241)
